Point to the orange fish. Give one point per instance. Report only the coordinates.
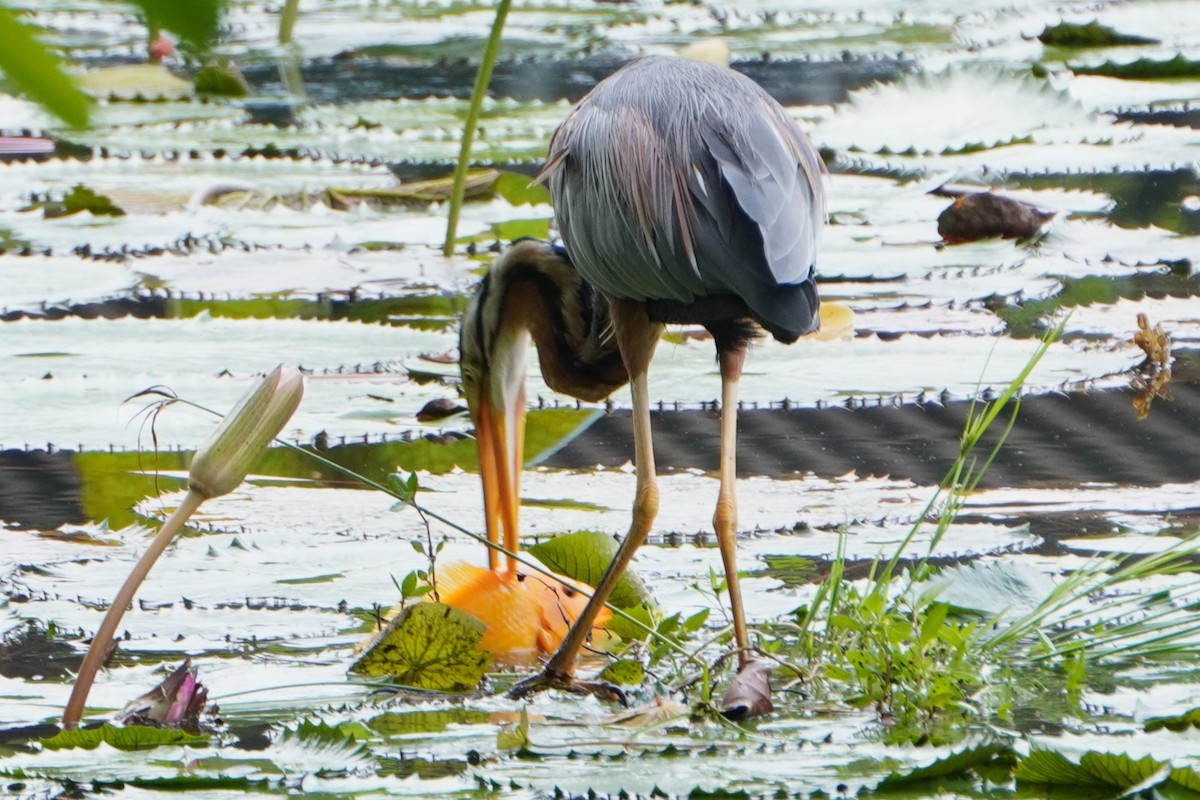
(526, 615)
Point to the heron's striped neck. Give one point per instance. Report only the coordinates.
(534, 287)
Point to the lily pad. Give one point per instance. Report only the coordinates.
(130, 737)
(1144, 69)
(994, 588)
(584, 555)
(1090, 34)
(430, 646)
(140, 81)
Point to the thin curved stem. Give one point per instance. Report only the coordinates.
(102, 641)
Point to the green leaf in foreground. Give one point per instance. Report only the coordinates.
(583, 556)
(194, 21)
(133, 737)
(430, 646)
(38, 73)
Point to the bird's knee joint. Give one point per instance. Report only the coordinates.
(725, 517)
(646, 502)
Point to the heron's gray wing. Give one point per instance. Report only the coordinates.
(774, 174)
(614, 199)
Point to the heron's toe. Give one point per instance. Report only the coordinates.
(551, 680)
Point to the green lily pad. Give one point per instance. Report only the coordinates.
(130, 81)
(1092, 769)
(1091, 34)
(430, 646)
(993, 588)
(131, 737)
(584, 555)
(1144, 69)
(1188, 719)
(80, 198)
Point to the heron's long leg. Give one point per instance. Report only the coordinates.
(725, 517)
(637, 338)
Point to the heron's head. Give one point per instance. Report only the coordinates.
(532, 292)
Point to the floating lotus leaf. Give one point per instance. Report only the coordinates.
(430, 646)
(584, 555)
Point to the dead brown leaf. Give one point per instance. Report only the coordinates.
(749, 693)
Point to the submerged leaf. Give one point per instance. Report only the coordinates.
(222, 80)
(583, 556)
(136, 81)
(431, 646)
(1188, 719)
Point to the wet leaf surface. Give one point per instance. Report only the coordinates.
(429, 646)
(584, 555)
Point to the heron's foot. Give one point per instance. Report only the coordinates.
(547, 679)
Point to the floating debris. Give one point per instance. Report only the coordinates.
(984, 215)
(1154, 374)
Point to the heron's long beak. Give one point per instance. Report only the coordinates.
(500, 434)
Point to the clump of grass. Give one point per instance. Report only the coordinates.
(929, 668)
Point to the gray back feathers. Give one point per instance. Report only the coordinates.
(674, 180)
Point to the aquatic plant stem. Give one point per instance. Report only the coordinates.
(287, 20)
(482, 79)
(103, 639)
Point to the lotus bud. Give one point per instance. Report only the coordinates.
(224, 460)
